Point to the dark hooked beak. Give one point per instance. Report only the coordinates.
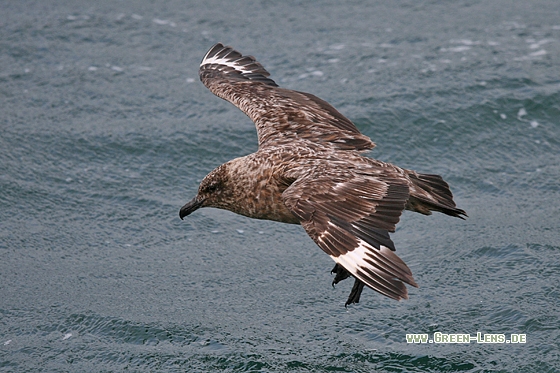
(191, 206)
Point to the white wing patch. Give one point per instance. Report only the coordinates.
(379, 269)
(227, 61)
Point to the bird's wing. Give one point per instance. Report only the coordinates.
(280, 115)
(350, 215)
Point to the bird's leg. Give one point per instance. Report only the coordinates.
(342, 274)
(354, 296)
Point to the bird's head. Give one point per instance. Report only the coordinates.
(212, 192)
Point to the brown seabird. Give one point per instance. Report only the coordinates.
(309, 170)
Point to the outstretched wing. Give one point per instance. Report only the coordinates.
(350, 215)
(280, 115)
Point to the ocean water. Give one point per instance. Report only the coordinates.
(106, 132)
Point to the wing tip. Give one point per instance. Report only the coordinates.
(228, 61)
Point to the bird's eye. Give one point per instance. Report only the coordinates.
(212, 186)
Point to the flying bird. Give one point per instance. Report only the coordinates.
(309, 170)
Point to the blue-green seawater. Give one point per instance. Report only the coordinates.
(106, 132)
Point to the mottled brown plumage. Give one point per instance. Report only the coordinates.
(309, 170)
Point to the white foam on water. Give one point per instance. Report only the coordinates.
(462, 48)
(337, 46)
(538, 53)
(312, 73)
(158, 21)
(537, 44)
(75, 18)
(465, 42)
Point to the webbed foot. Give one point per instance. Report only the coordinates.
(342, 274)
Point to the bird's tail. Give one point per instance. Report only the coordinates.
(431, 193)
